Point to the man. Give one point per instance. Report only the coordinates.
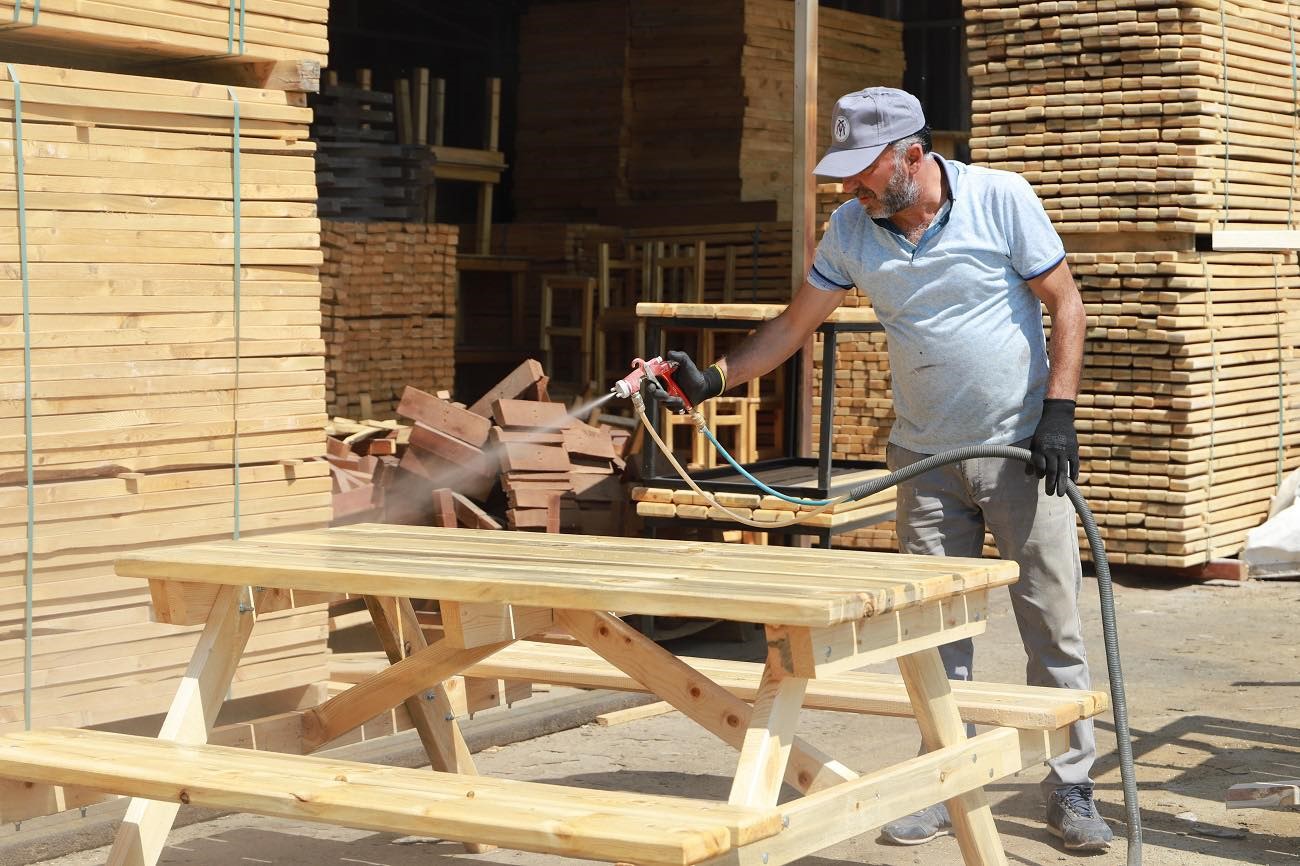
(956, 260)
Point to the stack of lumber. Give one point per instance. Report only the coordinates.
(513, 459)
(673, 104)
(689, 505)
(1144, 130)
(174, 30)
(364, 173)
(389, 307)
(853, 51)
(551, 248)
(141, 399)
(1159, 118)
(573, 140)
(1189, 414)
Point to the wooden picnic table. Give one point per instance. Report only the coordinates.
(826, 612)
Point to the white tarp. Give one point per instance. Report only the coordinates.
(1273, 549)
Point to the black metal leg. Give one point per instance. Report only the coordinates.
(828, 410)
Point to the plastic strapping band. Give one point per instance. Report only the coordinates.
(29, 571)
(1227, 114)
(1281, 376)
(236, 200)
(1214, 392)
(230, 27)
(36, 11)
(1295, 113)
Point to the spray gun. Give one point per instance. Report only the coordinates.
(655, 368)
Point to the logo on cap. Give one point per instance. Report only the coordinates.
(841, 129)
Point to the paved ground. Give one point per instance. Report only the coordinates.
(1214, 693)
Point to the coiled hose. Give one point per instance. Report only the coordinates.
(1119, 705)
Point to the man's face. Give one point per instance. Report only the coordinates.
(885, 187)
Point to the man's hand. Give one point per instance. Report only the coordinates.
(698, 385)
(1055, 447)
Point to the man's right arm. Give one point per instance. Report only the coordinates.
(777, 339)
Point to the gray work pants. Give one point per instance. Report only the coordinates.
(944, 512)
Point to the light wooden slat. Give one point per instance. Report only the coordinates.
(551, 819)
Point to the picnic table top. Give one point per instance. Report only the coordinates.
(772, 585)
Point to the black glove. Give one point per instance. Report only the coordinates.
(1055, 447)
(697, 385)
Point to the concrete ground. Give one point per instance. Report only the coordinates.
(1214, 696)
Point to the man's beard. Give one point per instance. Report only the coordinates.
(902, 191)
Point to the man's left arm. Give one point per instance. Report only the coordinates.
(1056, 445)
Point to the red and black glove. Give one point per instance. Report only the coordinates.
(1055, 446)
(698, 385)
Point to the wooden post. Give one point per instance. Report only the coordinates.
(422, 106)
(492, 135)
(804, 213)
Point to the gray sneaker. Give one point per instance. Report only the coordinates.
(918, 827)
(1073, 817)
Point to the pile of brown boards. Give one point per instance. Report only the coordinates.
(153, 373)
(272, 44)
(691, 101)
(513, 459)
(1146, 131)
(389, 312)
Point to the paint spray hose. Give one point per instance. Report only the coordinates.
(1119, 705)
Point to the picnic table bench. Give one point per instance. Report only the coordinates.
(825, 612)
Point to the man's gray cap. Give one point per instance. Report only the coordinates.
(863, 125)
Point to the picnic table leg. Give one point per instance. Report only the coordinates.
(768, 739)
(400, 634)
(695, 695)
(140, 839)
(941, 725)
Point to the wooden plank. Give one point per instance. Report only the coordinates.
(540, 572)
(143, 832)
(604, 825)
(441, 415)
(523, 381)
(529, 414)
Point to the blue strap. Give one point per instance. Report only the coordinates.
(29, 572)
(237, 200)
(230, 27)
(36, 11)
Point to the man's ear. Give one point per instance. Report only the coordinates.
(915, 153)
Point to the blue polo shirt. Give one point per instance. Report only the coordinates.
(967, 354)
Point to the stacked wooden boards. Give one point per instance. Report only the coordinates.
(1189, 414)
(674, 103)
(389, 306)
(1145, 130)
(853, 51)
(175, 29)
(572, 148)
(141, 397)
(1168, 116)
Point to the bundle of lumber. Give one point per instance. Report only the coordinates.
(389, 307)
(571, 152)
(153, 372)
(675, 103)
(1163, 117)
(279, 45)
(1189, 415)
(853, 51)
(513, 459)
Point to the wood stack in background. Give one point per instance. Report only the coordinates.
(140, 397)
(676, 104)
(143, 30)
(389, 305)
(571, 153)
(1145, 131)
(853, 51)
